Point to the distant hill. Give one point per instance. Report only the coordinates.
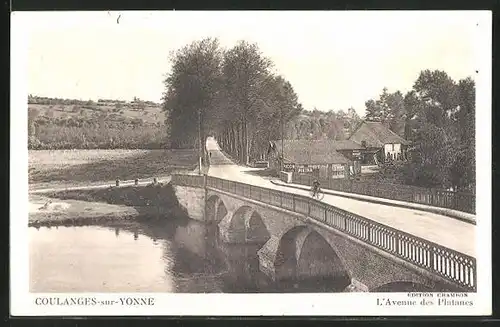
(134, 112)
(103, 124)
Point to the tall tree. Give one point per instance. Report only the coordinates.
(395, 112)
(439, 92)
(246, 72)
(191, 91)
(413, 112)
(438, 108)
(373, 111)
(464, 169)
(261, 103)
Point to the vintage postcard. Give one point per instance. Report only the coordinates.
(251, 163)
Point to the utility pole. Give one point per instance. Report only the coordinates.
(282, 140)
(200, 140)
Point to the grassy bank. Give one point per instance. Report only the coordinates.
(78, 207)
(67, 168)
(77, 167)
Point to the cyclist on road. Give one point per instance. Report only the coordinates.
(315, 187)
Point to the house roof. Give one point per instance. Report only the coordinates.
(346, 145)
(311, 152)
(375, 134)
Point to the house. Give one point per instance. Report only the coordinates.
(380, 143)
(352, 151)
(317, 157)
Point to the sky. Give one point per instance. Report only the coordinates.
(334, 60)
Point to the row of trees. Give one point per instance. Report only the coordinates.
(230, 93)
(438, 117)
(234, 95)
(34, 99)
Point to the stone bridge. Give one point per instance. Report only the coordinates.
(304, 238)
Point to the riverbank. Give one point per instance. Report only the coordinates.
(98, 206)
(44, 211)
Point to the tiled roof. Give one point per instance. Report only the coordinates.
(375, 135)
(311, 152)
(346, 145)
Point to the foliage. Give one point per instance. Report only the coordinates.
(388, 109)
(229, 93)
(95, 137)
(191, 91)
(333, 125)
(76, 124)
(94, 133)
(34, 99)
(438, 117)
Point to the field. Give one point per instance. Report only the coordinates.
(77, 167)
(150, 114)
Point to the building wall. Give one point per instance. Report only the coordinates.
(392, 150)
(338, 171)
(320, 171)
(370, 154)
(354, 157)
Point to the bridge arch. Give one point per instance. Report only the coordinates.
(215, 209)
(237, 224)
(256, 229)
(304, 254)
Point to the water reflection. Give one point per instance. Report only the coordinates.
(172, 256)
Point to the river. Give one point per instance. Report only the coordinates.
(183, 256)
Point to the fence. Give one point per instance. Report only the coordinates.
(465, 202)
(454, 266)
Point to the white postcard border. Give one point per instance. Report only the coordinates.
(23, 303)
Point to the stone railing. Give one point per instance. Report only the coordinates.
(188, 180)
(454, 266)
(465, 202)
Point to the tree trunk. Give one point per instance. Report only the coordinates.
(245, 144)
(242, 143)
(238, 141)
(234, 150)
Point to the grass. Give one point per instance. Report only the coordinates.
(134, 196)
(98, 206)
(101, 206)
(91, 166)
(120, 136)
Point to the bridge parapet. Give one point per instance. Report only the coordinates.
(460, 201)
(188, 180)
(451, 265)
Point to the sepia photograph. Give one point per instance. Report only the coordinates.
(328, 153)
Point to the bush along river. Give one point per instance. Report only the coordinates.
(156, 250)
